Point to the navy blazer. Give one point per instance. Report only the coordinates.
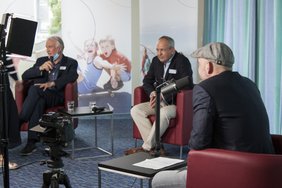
(67, 72)
(179, 67)
(229, 114)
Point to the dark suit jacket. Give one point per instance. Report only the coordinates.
(179, 67)
(67, 73)
(229, 114)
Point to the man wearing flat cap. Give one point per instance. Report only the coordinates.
(228, 111)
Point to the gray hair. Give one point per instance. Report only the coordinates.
(169, 39)
(59, 41)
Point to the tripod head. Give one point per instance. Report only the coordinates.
(56, 153)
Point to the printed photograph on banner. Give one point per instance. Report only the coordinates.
(101, 44)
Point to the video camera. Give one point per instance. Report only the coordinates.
(57, 128)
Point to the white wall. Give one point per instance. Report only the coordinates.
(177, 19)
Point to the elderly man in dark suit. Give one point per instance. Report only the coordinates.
(49, 74)
(167, 65)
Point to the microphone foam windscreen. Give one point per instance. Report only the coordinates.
(181, 83)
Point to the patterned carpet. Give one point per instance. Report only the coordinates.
(81, 173)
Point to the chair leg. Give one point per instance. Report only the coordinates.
(181, 150)
(135, 142)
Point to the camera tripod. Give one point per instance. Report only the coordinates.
(56, 176)
(52, 178)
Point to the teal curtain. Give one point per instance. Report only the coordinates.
(278, 60)
(253, 30)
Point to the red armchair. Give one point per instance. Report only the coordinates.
(217, 168)
(21, 92)
(178, 132)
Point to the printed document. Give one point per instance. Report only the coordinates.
(158, 163)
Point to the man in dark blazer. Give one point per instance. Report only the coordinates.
(228, 111)
(167, 65)
(49, 76)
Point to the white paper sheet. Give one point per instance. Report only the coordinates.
(158, 163)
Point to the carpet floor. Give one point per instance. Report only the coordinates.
(81, 173)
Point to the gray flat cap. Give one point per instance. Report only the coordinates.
(217, 51)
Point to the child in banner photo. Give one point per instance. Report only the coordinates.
(90, 69)
(110, 54)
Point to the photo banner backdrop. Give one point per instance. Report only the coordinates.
(98, 34)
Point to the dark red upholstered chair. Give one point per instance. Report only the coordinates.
(217, 168)
(21, 92)
(178, 132)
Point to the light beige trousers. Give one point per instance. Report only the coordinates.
(140, 113)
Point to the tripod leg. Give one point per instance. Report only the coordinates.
(46, 179)
(66, 181)
(54, 182)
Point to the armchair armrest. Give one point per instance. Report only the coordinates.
(277, 143)
(21, 89)
(71, 93)
(184, 116)
(140, 95)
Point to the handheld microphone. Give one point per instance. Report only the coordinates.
(51, 58)
(98, 109)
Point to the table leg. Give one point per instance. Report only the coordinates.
(112, 134)
(99, 178)
(150, 183)
(72, 148)
(181, 151)
(72, 142)
(95, 127)
(141, 182)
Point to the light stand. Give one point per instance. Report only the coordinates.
(4, 85)
(166, 89)
(20, 41)
(156, 152)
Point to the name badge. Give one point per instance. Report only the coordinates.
(172, 71)
(63, 67)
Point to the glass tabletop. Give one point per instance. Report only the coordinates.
(84, 111)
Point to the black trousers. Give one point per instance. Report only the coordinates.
(14, 138)
(35, 104)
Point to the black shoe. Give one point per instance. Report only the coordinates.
(28, 149)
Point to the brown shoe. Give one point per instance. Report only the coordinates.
(133, 150)
(162, 152)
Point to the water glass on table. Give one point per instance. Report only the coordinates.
(70, 105)
(92, 104)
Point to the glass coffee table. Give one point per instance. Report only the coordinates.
(84, 112)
